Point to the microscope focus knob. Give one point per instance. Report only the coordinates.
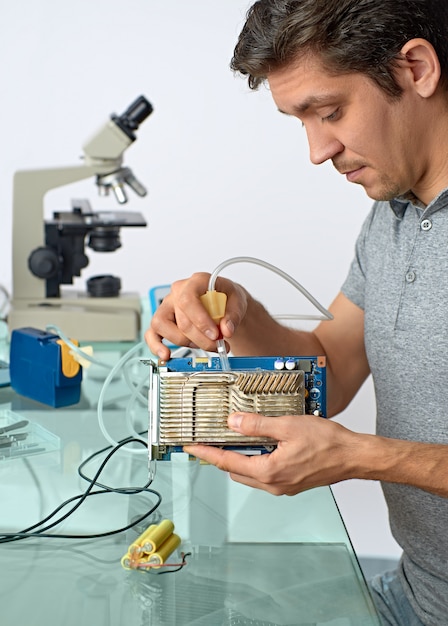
(43, 262)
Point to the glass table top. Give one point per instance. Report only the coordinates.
(253, 558)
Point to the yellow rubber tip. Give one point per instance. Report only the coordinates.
(215, 304)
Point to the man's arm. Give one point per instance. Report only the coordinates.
(341, 340)
(311, 451)
(422, 465)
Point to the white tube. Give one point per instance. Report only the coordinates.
(326, 315)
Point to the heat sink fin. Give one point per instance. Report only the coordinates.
(194, 407)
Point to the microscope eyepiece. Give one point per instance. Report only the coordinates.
(134, 115)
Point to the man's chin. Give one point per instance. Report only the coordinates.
(381, 194)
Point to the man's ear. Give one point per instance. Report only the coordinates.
(420, 66)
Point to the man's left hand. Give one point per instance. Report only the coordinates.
(311, 452)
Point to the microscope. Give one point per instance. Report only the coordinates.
(48, 254)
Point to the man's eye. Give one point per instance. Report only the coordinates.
(332, 117)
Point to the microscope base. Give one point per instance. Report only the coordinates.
(81, 317)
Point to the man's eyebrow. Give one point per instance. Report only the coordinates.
(300, 109)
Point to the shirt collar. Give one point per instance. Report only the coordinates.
(400, 203)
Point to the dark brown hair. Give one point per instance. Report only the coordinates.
(364, 36)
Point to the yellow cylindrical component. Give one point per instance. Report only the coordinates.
(126, 561)
(135, 560)
(146, 534)
(137, 545)
(158, 558)
(157, 536)
(215, 303)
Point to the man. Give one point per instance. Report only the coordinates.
(368, 80)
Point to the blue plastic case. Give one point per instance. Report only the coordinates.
(36, 368)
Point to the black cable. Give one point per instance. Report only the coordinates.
(17, 536)
(42, 532)
(126, 490)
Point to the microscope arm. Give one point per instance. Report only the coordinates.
(29, 189)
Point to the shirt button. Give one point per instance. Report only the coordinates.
(426, 225)
(410, 277)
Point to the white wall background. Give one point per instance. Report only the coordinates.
(227, 175)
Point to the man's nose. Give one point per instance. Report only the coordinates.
(323, 145)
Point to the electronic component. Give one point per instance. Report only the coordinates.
(190, 399)
(153, 547)
(42, 368)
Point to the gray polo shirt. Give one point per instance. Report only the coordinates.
(399, 277)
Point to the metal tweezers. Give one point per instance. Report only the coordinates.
(9, 439)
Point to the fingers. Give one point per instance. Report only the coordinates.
(255, 425)
(226, 460)
(256, 471)
(164, 326)
(191, 317)
(182, 319)
(236, 307)
(310, 452)
(154, 342)
(171, 322)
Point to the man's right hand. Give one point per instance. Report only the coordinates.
(182, 319)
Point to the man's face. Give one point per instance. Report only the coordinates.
(374, 141)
